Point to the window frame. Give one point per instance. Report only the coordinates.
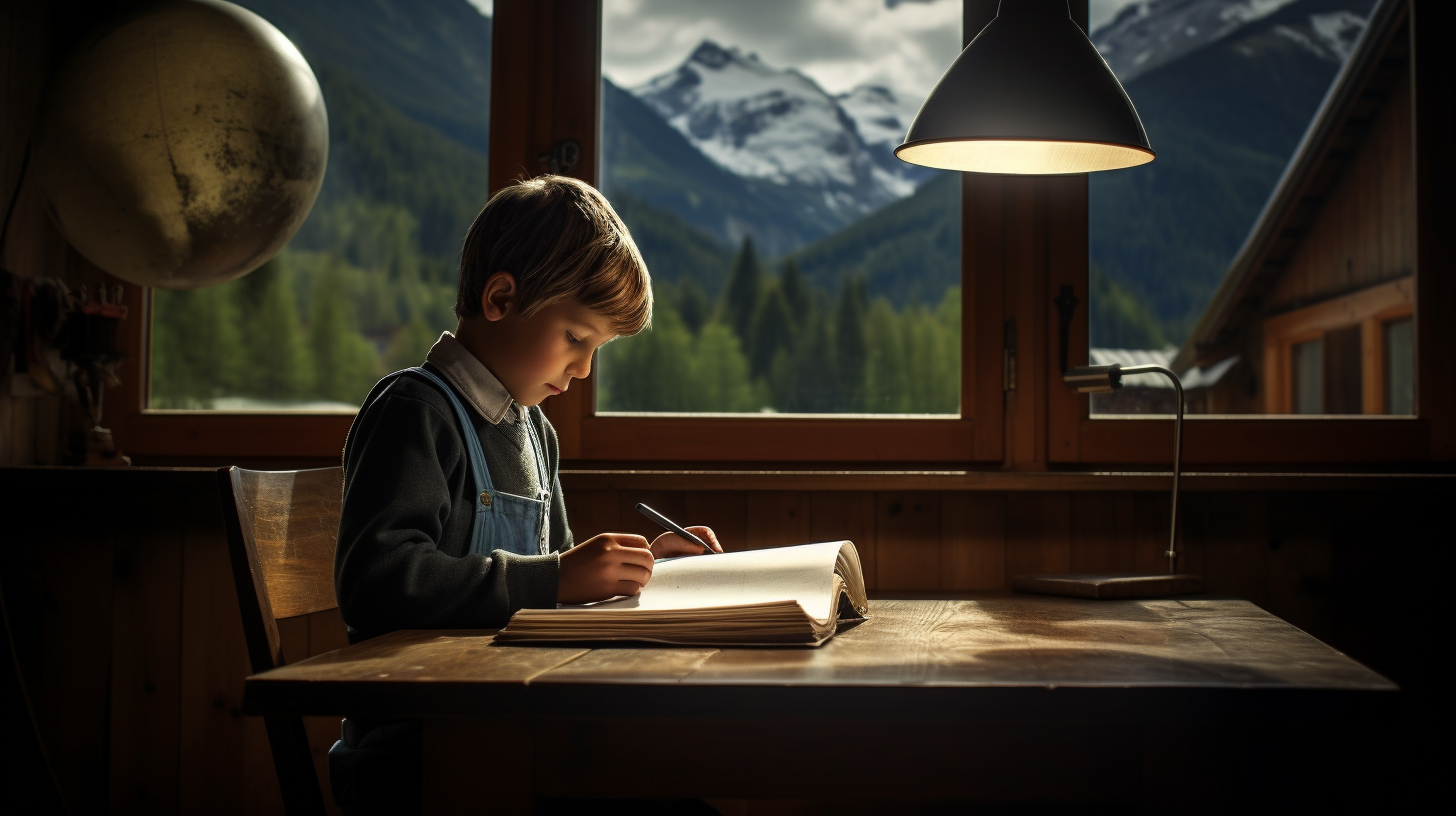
(1369, 309)
(1077, 438)
(585, 436)
(1021, 239)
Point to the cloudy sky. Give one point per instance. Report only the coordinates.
(905, 44)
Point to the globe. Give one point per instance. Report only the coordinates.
(182, 147)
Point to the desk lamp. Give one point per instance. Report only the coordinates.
(1100, 379)
(1030, 96)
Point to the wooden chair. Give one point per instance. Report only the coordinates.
(281, 529)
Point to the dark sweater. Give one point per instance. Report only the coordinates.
(403, 559)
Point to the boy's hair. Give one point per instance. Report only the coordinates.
(562, 241)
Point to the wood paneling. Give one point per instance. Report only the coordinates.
(776, 519)
(972, 541)
(127, 627)
(907, 541)
(1365, 231)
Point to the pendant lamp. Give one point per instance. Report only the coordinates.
(1030, 95)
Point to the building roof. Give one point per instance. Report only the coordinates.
(1190, 378)
(1349, 108)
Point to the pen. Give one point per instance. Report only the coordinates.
(671, 526)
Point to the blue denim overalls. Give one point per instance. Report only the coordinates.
(516, 524)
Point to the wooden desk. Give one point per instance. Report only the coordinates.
(1196, 705)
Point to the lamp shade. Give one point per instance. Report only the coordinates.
(1029, 95)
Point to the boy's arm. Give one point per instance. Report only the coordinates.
(395, 568)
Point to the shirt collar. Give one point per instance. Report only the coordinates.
(472, 380)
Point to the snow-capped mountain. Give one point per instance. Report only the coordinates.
(762, 122)
(880, 115)
(1148, 35)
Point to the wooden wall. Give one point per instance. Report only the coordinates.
(1303, 555)
(35, 427)
(1365, 232)
(129, 636)
(1363, 235)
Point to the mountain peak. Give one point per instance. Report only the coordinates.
(778, 124)
(712, 55)
(1147, 35)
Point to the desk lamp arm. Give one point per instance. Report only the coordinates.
(1102, 378)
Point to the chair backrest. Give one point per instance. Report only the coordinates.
(281, 529)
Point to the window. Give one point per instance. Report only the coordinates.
(1333, 253)
(1338, 350)
(1190, 254)
(368, 282)
(1399, 359)
(1307, 377)
(798, 266)
(1021, 240)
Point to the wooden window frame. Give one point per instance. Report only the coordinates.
(1370, 309)
(556, 97)
(1022, 238)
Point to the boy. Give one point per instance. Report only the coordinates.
(453, 514)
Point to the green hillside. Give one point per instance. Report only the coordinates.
(908, 252)
(428, 59)
(1224, 121)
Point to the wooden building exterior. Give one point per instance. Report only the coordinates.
(1323, 293)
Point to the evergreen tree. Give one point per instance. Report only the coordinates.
(692, 305)
(194, 348)
(740, 301)
(652, 371)
(772, 330)
(791, 281)
(276, 365)
(886, 385)
(804, 381)
(410, 344)
(720, 374)
(851, 350)
(345, 363)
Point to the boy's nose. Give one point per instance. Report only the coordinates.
(580, 369)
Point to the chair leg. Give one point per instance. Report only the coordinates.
(294, 762)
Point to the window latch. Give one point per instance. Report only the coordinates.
(1066, 303)
(563, 156)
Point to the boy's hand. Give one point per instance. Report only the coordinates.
(670, 544)
(603, 567)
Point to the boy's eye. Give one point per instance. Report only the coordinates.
(572, 338)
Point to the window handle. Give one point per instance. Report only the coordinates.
(1066, 303)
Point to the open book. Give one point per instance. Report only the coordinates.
(785, 595)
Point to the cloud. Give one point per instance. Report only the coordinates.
(840, 43)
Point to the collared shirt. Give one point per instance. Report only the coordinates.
(473, 380)
(489, 397)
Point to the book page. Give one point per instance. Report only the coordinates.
(803, 573)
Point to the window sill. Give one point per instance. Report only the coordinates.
(963, 480)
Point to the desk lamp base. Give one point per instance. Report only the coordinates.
(1108, 585)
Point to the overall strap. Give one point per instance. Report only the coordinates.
(467, 429)
(542, 475)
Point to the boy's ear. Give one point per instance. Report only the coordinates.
(498, 296)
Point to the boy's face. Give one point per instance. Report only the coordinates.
(539, 356)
